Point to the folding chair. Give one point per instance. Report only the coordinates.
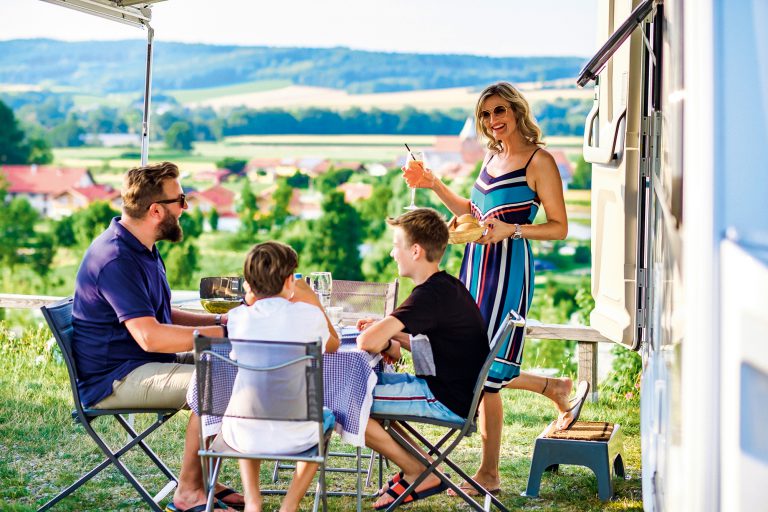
(59, 318)
(360, 299)
(286, 386)
(437, 451)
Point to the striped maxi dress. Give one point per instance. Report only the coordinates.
(500, 276)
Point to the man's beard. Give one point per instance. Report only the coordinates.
(170, 229)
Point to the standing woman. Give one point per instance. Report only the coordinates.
(517, 177)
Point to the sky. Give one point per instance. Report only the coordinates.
(495, 27)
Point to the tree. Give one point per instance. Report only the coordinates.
(17, 229)
(179, 136)
(248, 210)
(12, 147)
(582, 175)
(64, 232)
(181, 262)
(236, 165)
(41, 256)
(67, 134)
(282, 197)
(192, 223)
(334, 239)
(213, 219)
(39, 152)
(374, 210)
(90, 222)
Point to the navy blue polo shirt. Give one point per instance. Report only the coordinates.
(119, 279)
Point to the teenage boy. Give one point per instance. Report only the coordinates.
(441, 308)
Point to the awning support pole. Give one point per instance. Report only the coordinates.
(147, 98)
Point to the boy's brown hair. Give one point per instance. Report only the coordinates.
(267, 266)
(425, 227)
(142, 186)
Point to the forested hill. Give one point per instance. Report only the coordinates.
(118, 66)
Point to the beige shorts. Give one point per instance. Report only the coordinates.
(151, 385)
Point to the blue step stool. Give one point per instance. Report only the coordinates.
(594, 444)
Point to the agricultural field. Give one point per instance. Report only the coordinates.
(295, 96)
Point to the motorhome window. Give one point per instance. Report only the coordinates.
(596, 63)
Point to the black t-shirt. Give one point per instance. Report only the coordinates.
(442, 309)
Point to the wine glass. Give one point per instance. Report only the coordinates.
(414, 159)
(322, 284)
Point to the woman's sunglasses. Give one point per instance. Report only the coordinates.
(182, 200)
(498, 111)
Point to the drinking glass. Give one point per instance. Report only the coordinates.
(322, 283)
(334, 315)
(413, 160)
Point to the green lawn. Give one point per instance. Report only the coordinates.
(42, 451)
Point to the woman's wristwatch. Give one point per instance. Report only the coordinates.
(518, 232)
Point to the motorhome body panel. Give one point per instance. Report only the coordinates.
(611, 145)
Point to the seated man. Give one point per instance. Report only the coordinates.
(441, 308)
(125, 334)
(279, 308)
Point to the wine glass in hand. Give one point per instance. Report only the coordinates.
(414, 162)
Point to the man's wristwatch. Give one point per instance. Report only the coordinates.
(217, 319)
(518, 232)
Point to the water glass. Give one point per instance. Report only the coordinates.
(334, 315)
(322, 284)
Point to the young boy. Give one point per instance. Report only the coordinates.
(279, 308)
(441, 308)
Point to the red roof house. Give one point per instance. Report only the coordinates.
(43, 184)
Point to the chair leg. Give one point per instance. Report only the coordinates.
(359, 497)
(369, 473)
(147, 450)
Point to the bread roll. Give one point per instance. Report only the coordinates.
(466, 219)
(466, 226)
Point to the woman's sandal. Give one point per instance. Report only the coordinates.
(577, 401)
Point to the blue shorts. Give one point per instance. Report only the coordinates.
(401, 394)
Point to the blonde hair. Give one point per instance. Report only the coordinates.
(144, 185)
(267, 266)
(519, 106)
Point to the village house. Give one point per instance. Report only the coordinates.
(222, 200)
(55, 191)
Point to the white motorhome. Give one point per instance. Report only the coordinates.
(676, 139)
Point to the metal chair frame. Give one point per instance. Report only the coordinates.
(212, 452)
(59, 318)
(457, 431)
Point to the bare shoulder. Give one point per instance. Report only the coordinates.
(543, 165)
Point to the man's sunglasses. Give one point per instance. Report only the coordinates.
(182, 200)
(498, 111)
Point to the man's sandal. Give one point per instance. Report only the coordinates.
(401, 485)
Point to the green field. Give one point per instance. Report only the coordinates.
(196, 95)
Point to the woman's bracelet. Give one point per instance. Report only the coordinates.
(389, 345)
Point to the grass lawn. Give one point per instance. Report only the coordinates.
(42, 451)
